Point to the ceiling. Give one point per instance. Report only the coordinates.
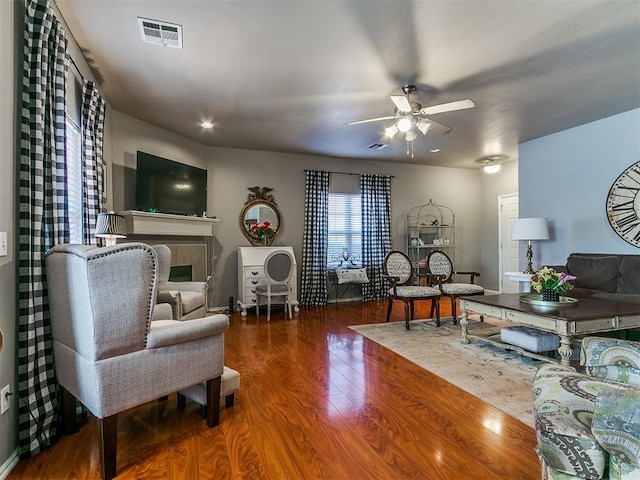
(287, 75)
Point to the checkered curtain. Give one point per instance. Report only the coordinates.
(376, 232)
(315, 238)
(42, 217)
(93, 196)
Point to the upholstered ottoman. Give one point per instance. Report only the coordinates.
(530, 339)
(229, 384)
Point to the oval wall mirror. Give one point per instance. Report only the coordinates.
(260, 208)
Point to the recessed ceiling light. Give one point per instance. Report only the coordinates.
(434, 150)
(207, 125)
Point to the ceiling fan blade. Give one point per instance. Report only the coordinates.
(436, 127)
(390, 117)
(402, 104)
(448, 107)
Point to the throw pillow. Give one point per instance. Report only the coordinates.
(352, 275)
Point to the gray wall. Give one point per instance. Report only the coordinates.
(231, 171)
(8, 85)
(566, 177)
(501, 183)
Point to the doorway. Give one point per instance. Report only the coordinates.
(509, 256)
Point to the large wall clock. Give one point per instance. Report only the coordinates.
(623, 205)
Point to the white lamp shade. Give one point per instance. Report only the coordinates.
(110, 225)
(530, 229)
(391, 131)
(423, 126)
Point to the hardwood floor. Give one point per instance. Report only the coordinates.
(316, 401)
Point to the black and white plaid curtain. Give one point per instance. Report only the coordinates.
(93, 111)
(315, 238)
(376, 232)
(42, 217)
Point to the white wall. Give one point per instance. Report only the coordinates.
(566, 177)
(8, 94)
(231, 171)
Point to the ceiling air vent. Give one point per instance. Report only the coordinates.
(160, 33)
(378, 146)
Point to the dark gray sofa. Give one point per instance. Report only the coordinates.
(607, 276)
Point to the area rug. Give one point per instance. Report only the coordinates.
(497, 376)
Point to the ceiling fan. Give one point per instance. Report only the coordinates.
(409, 113)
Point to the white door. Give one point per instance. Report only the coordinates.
(509, 255)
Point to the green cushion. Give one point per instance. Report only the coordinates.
(617, 430)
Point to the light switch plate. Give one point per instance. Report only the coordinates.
(3, 244)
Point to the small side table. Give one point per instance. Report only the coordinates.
(523, 278)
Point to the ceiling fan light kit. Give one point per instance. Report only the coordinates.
(404, 124)
(391, 131)
(408, 114)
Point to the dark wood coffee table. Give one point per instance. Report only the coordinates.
(588, 316)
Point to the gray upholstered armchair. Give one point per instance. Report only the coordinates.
(108, 353)
(588, 425)
(187, 299)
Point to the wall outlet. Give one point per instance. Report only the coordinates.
(3, 244)
(5, 400)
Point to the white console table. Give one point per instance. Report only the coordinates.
(524, 279)
(251, 274)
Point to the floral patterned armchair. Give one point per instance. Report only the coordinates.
(588, 425)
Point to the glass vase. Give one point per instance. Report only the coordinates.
(265, 240)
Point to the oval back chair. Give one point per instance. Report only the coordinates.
(441, 273)
(278, 270)
(398, 270)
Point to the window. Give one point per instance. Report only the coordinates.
(74, 180)
(345, 221)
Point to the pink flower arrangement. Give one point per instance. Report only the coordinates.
(263, 229)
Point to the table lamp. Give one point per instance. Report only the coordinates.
(110, 226)
(530, 229)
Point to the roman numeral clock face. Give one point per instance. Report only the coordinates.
(623, 205)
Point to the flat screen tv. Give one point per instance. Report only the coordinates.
(165, 186)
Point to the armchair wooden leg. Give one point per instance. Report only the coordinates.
(108, 446)
(389, 307)
(435, 303)
(454, 314)
(407, 314)
(70, 424)
(213, 402)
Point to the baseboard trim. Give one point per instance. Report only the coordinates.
(10, 464)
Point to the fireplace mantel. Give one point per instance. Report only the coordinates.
(146, 223)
